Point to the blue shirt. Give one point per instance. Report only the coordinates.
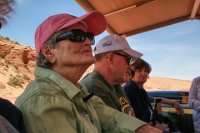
(139, 101)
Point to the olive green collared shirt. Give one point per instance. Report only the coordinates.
(52, 104)
(112, 95)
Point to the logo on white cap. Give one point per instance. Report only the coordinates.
(107, 44)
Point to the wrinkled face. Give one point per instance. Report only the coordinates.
(121, 66)
(141, 76)
(70, 53)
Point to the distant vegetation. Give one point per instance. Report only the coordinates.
(16, 80)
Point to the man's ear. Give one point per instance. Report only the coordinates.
(49, 54)
(110, 57)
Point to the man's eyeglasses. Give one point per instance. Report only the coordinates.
(127, 58)
(75, 35)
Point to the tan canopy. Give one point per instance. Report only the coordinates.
(129, 17)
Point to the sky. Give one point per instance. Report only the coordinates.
(173, 51)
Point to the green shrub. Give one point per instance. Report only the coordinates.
(2, 56)
(16, 81)
(7, 38)
(25, 77)
(16, 67)
(7, 61)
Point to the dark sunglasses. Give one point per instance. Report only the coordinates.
(127, 58)
(75, 35)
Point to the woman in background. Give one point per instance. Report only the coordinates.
(139, 99)
(194, 102)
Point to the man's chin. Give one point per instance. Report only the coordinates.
(88, 62)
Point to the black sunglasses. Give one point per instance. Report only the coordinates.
(75, 35)
(127, 58)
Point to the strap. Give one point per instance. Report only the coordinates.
(155, 113)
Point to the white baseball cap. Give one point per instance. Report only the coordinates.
(115, 43)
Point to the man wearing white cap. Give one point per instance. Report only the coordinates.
(113, 55)
(55, 102)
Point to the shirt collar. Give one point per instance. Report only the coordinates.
(68, 87)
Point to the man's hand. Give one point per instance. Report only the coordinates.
(179, 109)
(160, 126)
(175, 104)
(147, 129)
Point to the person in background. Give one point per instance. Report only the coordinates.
(112, 57)
(6, 127)
(12, 114)
(54, 102)
(137, 95)
(194, 102)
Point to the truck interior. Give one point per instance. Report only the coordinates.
(131, 17)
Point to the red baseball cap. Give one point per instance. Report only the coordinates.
(95, 23)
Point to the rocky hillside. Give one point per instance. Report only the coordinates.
(16, 68)
(17, 64)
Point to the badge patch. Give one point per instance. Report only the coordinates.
(107, 44)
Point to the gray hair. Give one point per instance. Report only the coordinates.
(41, 60)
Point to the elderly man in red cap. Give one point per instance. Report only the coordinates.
(54, 102)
